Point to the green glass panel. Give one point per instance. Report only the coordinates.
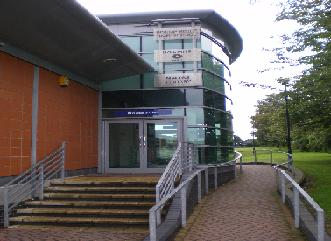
(131, 82)
(148, 80)
(124, 145)
(133, 42)
(162, 141)
(196, 136)
(173, 44)
(195, 116)
(149, 44)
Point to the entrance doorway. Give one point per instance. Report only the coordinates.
(141, 145)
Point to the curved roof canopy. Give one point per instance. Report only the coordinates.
(215, 22)
(66, 34)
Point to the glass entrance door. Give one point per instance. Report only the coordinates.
(162, 140)
(124, 144)
(140, 144)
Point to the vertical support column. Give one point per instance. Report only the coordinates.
(183, 205)
(320, 225)
(63, 160)
(35, 103)
(41, 181)
(206, 180)
(199, 187)
(271, 161)
(152, 225)
(296, 202)
(215, 177)
(100, 159)
(282, 179)
(241, 164)
(194, 43)
(159, 25)
(158, 212)
(5, 207)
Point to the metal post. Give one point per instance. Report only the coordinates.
(152, 225)
(215, 177)
(63, 159)
(206, 180)
(199, 187)
(320, 225)
(241, 164)
(296, 200)
(283, 187)
(158, 212)
(190, 157)
(271, 161)
(5, 207)
(183, 205)
(41, 181)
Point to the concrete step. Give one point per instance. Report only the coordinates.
(77, 221)
(88, 204)
(83, 212)
(98, 196)
(98, 189)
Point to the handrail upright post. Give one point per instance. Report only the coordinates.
(241, 164)
(183, 205)
(296, 199)
(271, 161)
(199, 187)
(152, 225)
(320, 225)
(63, 159)
(5, 207)
(158, 212)
(206, 180)
(283, 187)
(41, 180)
(215, 177)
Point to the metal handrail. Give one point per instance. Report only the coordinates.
(297, 191)
(32, 181)
(289, 161)
(154, 212)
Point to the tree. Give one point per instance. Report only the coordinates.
(310, 104)
(269, 121)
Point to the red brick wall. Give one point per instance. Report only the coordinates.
(65, 114)
(16, 78)
(70, 114)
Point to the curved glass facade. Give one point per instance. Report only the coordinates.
(208, 124)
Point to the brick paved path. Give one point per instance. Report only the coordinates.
(245, 210)
(22, 233)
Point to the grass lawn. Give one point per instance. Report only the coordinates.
(315, 165)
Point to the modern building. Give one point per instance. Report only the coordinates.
(122, 92)
(145, 116)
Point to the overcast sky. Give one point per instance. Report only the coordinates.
(255, 23)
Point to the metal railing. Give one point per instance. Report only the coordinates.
(30, 183)
(300, 200)
(181, 161)
(154, 212)
(288, 158)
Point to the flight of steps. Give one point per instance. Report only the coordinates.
(91, 202)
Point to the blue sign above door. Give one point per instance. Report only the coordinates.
(142, 112)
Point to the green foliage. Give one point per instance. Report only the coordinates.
(269, 121)
(310, 94)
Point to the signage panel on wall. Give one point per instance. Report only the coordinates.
(141, 112)
(178, 80)
(176, 33)
(177, 55)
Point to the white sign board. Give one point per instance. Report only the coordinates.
(177, 55)
(178, 80)
(176, 33)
